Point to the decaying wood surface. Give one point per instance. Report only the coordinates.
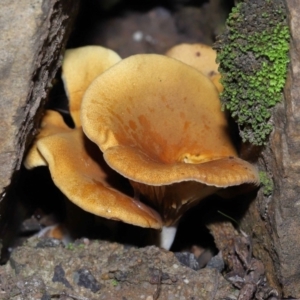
(274, 221)
(33, 34)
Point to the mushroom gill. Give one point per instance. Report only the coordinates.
(159, 123)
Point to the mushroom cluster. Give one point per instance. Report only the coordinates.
(153, 119)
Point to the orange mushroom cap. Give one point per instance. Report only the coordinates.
(79, 171)
(79, 68)
(159, 122)
(201, 57)
(52, 123)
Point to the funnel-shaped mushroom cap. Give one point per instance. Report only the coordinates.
(201, 57)
(79, 171)
(80, 67)
(159, 123)
(52, 123)
(157, 120)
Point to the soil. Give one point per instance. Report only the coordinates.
(45, 269)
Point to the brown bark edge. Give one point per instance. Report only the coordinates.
(33, 35)
(275, 221)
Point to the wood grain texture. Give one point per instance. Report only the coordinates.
(33, 35)
(275, 220)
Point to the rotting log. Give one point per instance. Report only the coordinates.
(33, 35)
(274, 221)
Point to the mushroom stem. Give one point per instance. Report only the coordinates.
(167, 236)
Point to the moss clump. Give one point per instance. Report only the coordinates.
(266, 183)
(70, 246)
(253, 56)
(114, 282)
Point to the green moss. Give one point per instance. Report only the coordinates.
(266, 183)
(253, 56)
(70, 246)
(114, 282)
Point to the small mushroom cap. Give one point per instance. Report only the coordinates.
(80, 67)
(159, 121)
(52, 123)
(79, 171)
(199, 56)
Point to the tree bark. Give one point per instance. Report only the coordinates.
(33, 34)
(275, 220)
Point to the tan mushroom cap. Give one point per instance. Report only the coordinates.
(52, 123)
(80, 67)
(159, 121)
(200, 56)
(81, 174)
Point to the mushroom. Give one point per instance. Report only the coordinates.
(79, 68)
(76, 165)
(201, 57)
(78, 170)
(159, 123)
(52, 123)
